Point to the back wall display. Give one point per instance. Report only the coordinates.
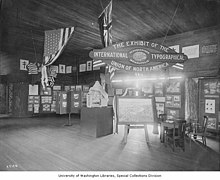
(131, 110)
(173, 87)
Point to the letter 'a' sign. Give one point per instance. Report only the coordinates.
(138, 56)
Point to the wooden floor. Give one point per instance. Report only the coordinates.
(44, 144)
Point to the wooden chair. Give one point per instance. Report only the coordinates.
(176, 134)
(198, 131)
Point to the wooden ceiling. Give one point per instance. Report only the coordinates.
(23, 22)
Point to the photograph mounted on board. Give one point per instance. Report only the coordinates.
(133, 110)
(173, 87)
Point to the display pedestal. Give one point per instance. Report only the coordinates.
(96, 122)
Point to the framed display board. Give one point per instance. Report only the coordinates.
(135, 110)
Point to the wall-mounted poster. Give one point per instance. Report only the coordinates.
(33, 90)
(118, 91)
(158, 92)
(46, 99)
(172, 114)
(158, 85)
(160, 108)
(46, 91)
(68, 69)
(36, 108)
(72, 88)
(78, 87)
(209, 49)
(89, 65)
(66, 88)
(57, 88)
(160, 99)
(62, 68)
(23, 64)
(82, 67)
(211, 124)
(212, 87)
(191, 51)
(148, 88)
(173, 101)
(46, 107)
(173, 87)
(85, 87)
(210, 106)
(135, 110)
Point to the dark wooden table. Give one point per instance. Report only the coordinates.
(168, 124)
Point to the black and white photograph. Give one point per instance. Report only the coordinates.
(109, 89)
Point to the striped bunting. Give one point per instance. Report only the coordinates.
(32, 68)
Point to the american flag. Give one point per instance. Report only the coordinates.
(55, 41)
(105, 26)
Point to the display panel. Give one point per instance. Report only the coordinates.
(132, 110)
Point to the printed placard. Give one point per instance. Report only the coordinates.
(172, 114)
(23, 64)
(89, 65)
(33, 89)
(82, 67)
(68, 69)
(210, 106)
(62, 69)
(209, 49)
(160, 108)
(211, 124)
(191, 51)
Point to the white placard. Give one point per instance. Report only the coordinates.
(191, 51)
(89, 65)
(160, 99)
(160, 108)
(210, 106)
(69, 69)
(23, 64)
(175, 48)
(82, 67)
(62, 69)
(33, 90)
(54, 68)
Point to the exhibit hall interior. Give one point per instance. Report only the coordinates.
(111, 86)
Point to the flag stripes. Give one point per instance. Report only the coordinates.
(32, 68)
(55, 41)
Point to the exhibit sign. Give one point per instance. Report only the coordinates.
(138, 56)
(133, 110)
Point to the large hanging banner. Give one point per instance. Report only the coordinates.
(138, 56)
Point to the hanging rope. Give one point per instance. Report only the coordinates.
(174, 14)
(101, 4)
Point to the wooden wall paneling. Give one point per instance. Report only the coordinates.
(3, 99)
(204, 65)
(20, 100)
